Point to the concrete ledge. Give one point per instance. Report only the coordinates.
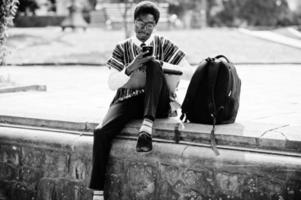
(23, 88)
(49, 164)
(46, 123)
(248, 136)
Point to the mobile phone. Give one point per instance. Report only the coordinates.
(148, 49)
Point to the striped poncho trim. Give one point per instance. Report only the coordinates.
(164, 50)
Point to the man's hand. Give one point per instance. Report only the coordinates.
(138, 62)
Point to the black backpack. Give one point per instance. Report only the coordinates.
(213, 94)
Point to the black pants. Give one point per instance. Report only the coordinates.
(154, 103)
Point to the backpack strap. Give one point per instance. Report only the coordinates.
(222, 56)
(212, 76)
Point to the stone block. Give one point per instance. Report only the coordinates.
(170, 173)
(46, 189)
(166, 191)
(116, 185)
(20, 191)
(187, 182)
(30, 176)
(33, 157)
(79, 171)
(80, 165)
(228, 183)
(8, 172)
(61, 189)
(201, 181)
(141, 180)
(56, 163)
(10, 154)
(4, 189)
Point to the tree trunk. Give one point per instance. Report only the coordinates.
(128, 6)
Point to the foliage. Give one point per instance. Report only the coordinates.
(179, 7)
(30, 5)
(251, 12)
(8, 9)
(227, 12)
(262, 13)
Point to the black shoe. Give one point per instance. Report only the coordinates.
(144, 142)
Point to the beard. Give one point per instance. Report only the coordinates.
(142, 36)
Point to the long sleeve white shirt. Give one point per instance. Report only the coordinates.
(118, 79)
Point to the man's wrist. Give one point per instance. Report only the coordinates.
(161, 63)
(127, 71)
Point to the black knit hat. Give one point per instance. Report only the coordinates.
(147, 7)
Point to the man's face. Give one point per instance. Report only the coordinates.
(144, 26)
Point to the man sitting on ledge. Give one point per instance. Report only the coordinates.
(142, 91)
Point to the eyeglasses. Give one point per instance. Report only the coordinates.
(148, 25)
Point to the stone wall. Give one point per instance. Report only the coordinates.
(52, 164)
(43, 165)
(190, 172)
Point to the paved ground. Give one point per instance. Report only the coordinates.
(270, 94)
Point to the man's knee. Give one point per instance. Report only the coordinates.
(155, 67)
(100, 134)
(156, 64)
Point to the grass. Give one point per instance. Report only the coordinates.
(95, 45)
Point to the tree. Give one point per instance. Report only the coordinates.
(264, 13)
(128, 6)
(253, 12)
(28, 6)
(8, 9)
